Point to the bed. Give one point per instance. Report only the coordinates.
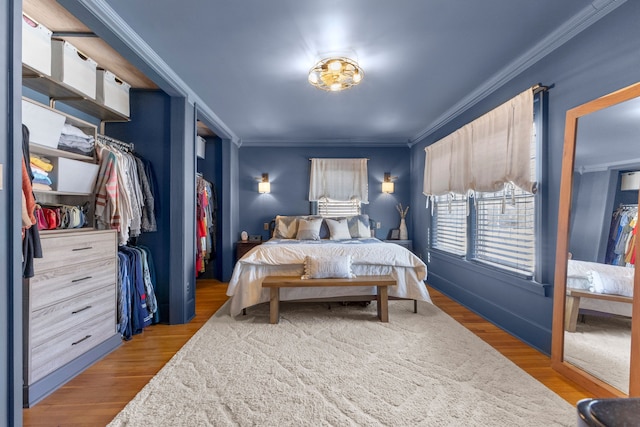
(597, 287)
(292, 245)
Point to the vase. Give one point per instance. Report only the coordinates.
(404, 235)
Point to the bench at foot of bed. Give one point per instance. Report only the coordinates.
(276, 282)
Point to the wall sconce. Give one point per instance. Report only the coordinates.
(264, 186)
(387, 185)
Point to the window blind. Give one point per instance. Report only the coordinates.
(336, 208)
(505, 230)
(449, 230)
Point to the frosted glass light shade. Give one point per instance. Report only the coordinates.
(387, 187)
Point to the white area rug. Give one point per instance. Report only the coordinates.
(602, 346)
(341, 367)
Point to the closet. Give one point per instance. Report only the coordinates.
(70, 307)
(207, 243)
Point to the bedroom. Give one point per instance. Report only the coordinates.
(597, 61)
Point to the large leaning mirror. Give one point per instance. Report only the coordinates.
(596, 311)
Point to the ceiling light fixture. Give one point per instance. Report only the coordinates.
(335, 74)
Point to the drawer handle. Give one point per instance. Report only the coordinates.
(82, 249)
(82, 309)
(81, 279)
(82, 339)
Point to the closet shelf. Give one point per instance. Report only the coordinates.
(48, 151)
(61, 193)
(62, 92)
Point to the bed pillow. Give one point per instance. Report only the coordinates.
(327, 267)
(286, 227)
(359, 226)
(309, 229)
(338, 229)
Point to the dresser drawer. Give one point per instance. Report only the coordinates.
(49, 356)
(53, 286)
(61, 250)
(55, 319)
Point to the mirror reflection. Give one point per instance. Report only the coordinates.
(603, 223)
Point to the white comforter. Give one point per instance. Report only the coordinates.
(286, 258)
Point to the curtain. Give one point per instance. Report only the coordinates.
(339, 179)
(486, 154)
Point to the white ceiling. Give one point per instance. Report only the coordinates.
(247, 60)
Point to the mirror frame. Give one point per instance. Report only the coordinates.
(583, 378)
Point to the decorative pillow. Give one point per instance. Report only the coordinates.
(309, 229)
(359, 226)
(338, 229)
(327, 267)
(286, 227)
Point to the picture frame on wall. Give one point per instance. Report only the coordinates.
(394, 234)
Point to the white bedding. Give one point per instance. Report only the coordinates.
(286, 258)
(600, 278)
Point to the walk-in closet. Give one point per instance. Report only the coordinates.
(116, 194)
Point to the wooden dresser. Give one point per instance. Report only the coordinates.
(70, 308)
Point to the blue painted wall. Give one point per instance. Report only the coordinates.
(600, 60)
(288, 169)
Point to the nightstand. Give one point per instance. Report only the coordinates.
(244, 246)
(404, 243)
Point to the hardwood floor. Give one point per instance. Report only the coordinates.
(95, 396)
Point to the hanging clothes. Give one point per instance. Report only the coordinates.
(206, 210)
(622, 236)
(31, 247)
(137, 303)
(125, 199)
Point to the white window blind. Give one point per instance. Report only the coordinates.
(449, 228)
(337, 208)
(505, 230)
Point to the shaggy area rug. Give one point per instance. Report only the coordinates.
(602, 346)
(342, 367)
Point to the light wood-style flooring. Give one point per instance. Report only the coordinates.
(94, 397)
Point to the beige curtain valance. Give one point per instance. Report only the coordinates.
(339, 179)
(486, 154)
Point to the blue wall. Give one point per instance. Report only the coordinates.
(602, 59)
(288, 169)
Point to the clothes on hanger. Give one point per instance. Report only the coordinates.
(125, 199)
(31, 247)
(622, 236)
(137, 304)
(206, 210)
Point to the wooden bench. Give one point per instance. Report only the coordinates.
(276, 282)
(572, 305)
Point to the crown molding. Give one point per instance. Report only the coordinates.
(570, 28)
(101, 11)
(346, 142)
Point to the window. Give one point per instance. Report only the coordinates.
(505, 224)
(491, 227)
(505, 230)
(334, 208)
(450, 224)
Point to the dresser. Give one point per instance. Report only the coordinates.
(70, 308)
